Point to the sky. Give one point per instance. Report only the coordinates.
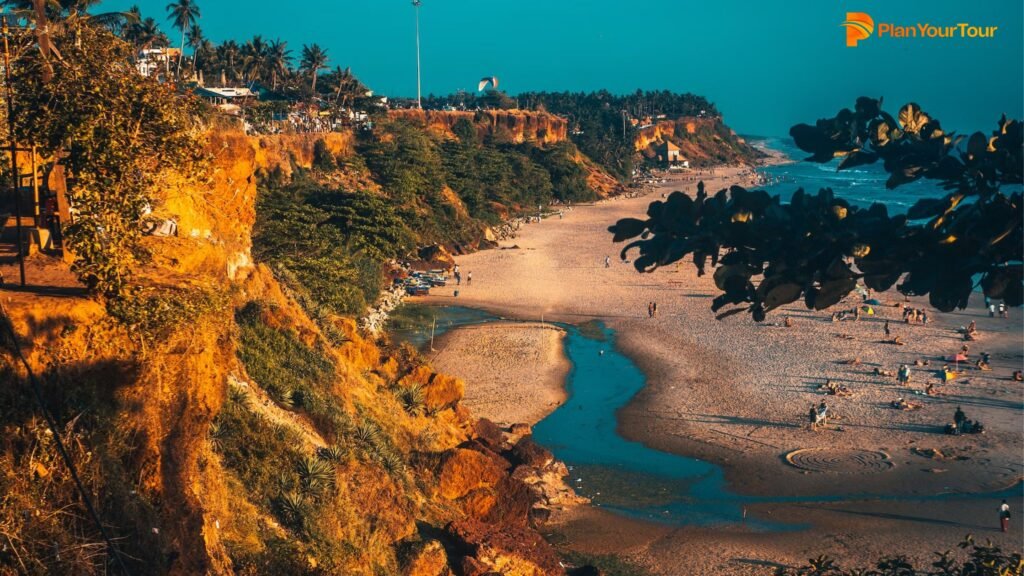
(766, 64)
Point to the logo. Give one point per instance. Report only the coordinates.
(859, 26)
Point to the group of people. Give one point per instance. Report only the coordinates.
(914, 315)
(992, 309)
(652, 309)
(818, 415)
(457, 272)
(963, 425)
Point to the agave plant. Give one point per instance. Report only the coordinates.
(392, 462)
(333, 453)
(367, 433)
(315, 474)
(411, 398)
(294, 509)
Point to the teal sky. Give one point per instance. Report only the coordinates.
(766, 64)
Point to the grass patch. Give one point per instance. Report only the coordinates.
(294, 374)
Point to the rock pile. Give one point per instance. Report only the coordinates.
(377, 316)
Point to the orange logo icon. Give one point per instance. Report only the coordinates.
(859, 26)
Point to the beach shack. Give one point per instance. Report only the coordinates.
(228, 100)
(670, 154)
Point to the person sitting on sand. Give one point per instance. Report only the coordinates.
(1018, 376)
(884, 373)
(901, 404)
(788, 322)
(929, 390)
(982, 365)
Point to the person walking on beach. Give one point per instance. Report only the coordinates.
(469, 278)
(886, 328)
(1004, 516)
(650, 310)
(607, 261)
(812, 415)
(654, 309)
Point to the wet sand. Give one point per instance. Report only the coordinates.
(736, 393)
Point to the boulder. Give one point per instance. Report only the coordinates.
(488, 434)
(429, 560)
(506, 550)
(520, 429)
(467, 470)
(435, 257)
(528, 452)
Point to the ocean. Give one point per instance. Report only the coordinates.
(861, 186)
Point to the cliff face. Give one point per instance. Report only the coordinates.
(520, 126)
(702, 141)
(202, 463)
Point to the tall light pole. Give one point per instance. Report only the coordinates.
(419, 92)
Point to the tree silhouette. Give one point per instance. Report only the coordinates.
(818, 246)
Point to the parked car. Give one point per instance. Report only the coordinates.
(417, 289)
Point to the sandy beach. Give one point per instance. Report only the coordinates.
(515, 371)
(736, 393)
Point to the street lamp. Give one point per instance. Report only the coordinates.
(419, 93)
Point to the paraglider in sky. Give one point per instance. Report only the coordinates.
(484, 82)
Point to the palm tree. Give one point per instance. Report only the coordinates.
(195, 41)
(254, 54)
(279, 59)
(147, 34)
(228, 53)
(314, 59)
(183, 14)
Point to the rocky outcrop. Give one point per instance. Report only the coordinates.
(701, 141)
(517, 125)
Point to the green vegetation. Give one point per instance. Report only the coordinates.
(297, 376)
(152, 313)
(600, 123)
(123, 129)
(818, 247)
(492, 178)
(328, 245)
(268, 461)
(981, 560)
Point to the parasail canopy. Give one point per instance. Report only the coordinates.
(484, 82)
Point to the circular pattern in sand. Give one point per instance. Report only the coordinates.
(840, 461)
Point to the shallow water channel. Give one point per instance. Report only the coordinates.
(623, 476)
